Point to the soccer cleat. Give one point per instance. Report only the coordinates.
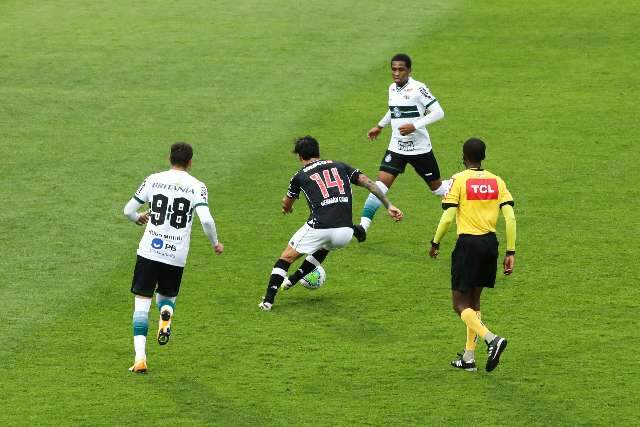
(494, 350)
(265, 306)
(286, 285)
(359, 233)
(164, 326)
(139, 367)
(462, 364)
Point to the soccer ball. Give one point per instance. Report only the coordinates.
(315, 279)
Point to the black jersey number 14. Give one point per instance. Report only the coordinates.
(328, 182)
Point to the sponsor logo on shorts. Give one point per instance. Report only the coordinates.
(157, 243)
(387, 158)
(482, 189)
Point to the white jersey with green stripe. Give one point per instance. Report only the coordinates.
(407, 104)
(173, 196)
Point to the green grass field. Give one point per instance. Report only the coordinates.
(92, 95)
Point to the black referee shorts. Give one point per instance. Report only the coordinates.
(424, 164)
(474, 262)
(150, 274)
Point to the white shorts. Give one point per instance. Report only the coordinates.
(307, 240)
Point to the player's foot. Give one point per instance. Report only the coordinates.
(164, 325)
(286, 285)
(265, 306)
(359, 233)
(139, 367)
(462, 364)
(494, 350)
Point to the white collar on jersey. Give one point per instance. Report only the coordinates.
(400, 89)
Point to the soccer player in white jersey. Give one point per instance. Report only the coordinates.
(173, 197)
(412, 107)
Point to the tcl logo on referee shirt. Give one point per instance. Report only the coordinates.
(482, 189)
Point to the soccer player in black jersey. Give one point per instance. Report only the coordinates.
(326, 185)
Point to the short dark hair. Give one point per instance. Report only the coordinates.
(474, 149)
(306, 147)
(402, 57)
(181, 153)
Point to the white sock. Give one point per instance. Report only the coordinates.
(374, 203)
(142, 304)
(444, 188)
(382, 186)
(365, 222)
(140, 344)
(489, 336)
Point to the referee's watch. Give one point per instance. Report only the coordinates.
(435, 245)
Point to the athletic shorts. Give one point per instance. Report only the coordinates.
(150, 276)
(425, 164)
(307, 240)
(474, 262)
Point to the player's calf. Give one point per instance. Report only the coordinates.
(307, 266)
(278, 274)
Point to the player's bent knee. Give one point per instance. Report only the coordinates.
(290, 255)
(386, 178)
(434, 185)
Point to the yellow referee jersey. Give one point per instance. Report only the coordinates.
(479, 195)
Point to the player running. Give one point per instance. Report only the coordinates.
(173, 197)
(475, 198)
(326, 185)
(411, 108)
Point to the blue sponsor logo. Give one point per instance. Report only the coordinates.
(157, 243)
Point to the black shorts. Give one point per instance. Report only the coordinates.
(424, 164)
(474, 262)
(148, 274)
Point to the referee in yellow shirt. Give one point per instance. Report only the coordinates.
(474, 200)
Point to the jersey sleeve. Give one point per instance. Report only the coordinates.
(425, 97)
(202, 196)
(452, 198)
(505, 195)
(142, 193)
(294, 187)
(352, 173)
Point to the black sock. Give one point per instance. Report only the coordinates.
(276, 280)
(308, 266)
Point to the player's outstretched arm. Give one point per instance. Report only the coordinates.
(364, 181)
(287, 204)
(510, 223)
(209, 228)
(375, 131)
(131, 212)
